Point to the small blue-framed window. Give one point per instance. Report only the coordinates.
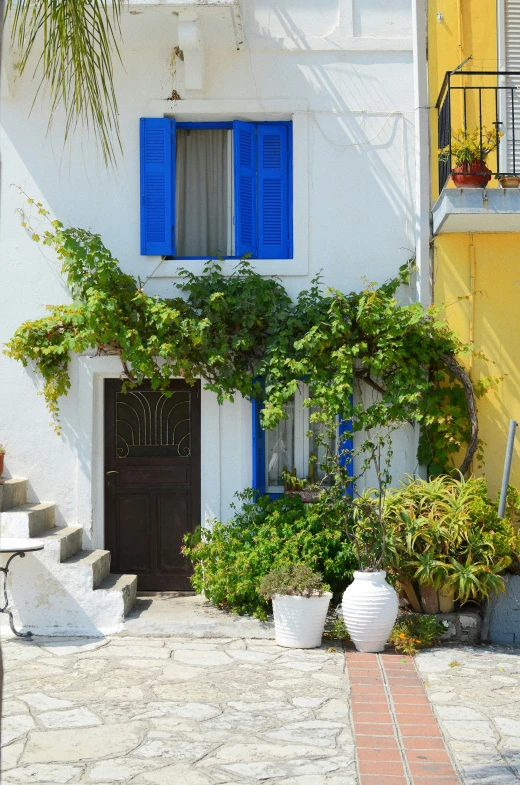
(216, 189)
(289, 445)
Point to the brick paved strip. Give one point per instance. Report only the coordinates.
(398, 740)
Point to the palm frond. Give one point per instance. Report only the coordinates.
(78, 41)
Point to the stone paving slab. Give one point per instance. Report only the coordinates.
(194, 616)
(187, 711)
(218, 703)
(475, 694)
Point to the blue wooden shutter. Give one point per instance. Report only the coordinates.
(258, 447)
(157, 186)
(244, 154)
(346, 446)
(274, 165)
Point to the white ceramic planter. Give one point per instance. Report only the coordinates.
(299, 621)
(369, 610)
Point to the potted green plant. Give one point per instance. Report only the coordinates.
(469, 150)
(369, 604)
(445, 536)
(2, 455)
(299, 486)
(300, 603)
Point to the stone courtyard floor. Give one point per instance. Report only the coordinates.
(177, 711)
(202, 708)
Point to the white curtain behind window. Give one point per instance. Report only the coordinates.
(318, 431)
(202, 192)
(280, 448)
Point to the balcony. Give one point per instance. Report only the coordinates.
(479, 134)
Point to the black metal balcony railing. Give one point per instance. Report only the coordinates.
(487, 104)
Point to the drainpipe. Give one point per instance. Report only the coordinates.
(422, 190)
(422, 152)
(473, 295)
(507, 467)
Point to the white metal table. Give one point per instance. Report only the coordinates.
(16, 547)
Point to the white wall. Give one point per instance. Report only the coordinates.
(341, 68)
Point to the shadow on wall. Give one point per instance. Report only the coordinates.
(496, 297)
(354, 95)
(47, 604)
(360, 173)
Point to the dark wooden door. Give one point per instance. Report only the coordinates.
(152, 481)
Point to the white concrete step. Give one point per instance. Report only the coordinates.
(67, 538)
(28, 520)
(13, 493)
(62, 589)
(126, 584)
(97, 561)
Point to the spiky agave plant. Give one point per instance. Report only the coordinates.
(446, 533)
(76, 42)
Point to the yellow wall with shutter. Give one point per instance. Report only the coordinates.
(483, 267)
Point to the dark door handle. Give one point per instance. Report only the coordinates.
(112, 472)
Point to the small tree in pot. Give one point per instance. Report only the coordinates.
(370, 604)
(300, 603)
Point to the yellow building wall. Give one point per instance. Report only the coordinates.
(467, 29)
(485, 267)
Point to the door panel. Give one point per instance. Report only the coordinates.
(132, 535)
(172, 509)
(152, 481)
(158, 475)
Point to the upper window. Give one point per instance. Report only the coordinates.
(216, 189)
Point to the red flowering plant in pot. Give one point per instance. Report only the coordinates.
(469, 150)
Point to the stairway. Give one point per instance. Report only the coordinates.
(62, 590)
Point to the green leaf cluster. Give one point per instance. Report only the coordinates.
(230, 560)
(235, 330)
(447, 533)
(76, 42)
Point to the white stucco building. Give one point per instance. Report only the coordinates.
(323, 93)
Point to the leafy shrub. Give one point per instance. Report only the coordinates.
(231, 559)
(335, 628)
(416, 631)
(447, 533)
(513, 506)
(233, 330)
(294, 579)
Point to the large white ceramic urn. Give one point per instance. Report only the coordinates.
(369, 610)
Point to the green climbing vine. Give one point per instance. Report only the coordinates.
(366, 356)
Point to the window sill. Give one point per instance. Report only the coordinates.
(206, 259)
(169, 268)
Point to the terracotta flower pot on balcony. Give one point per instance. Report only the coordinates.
(474, 175)
(2, 454)
(509, 181)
